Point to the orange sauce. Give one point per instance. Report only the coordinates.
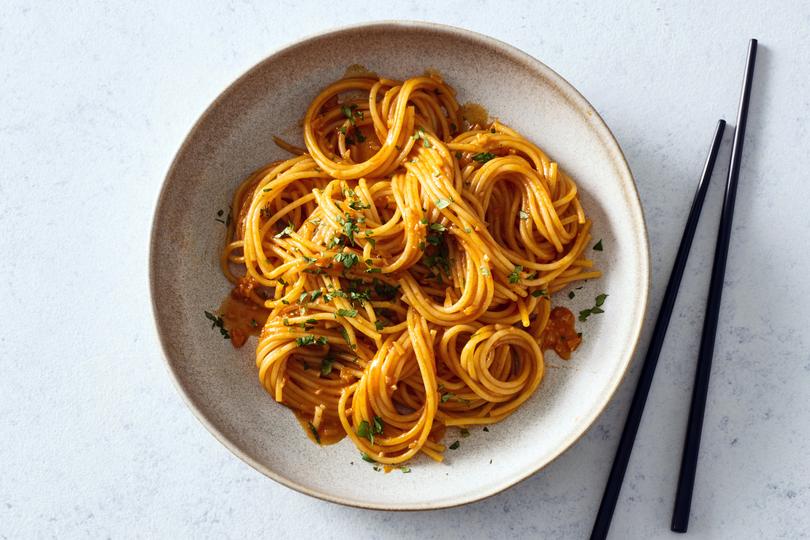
(358, 70)
(241, 316)
(560, 334)
(362, 151)
(329, 431)
(474, 114)
(437, 433)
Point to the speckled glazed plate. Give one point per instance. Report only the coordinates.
(233, 137)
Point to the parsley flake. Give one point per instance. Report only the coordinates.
(514, 277)
(326, 366)
(483, 157)
(314, 432)
(217, 322)
(366, 431)
(309, 339)
(285, 232)
(346, 259)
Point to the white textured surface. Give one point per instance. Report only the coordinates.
(94, 101)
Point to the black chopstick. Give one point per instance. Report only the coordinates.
(614, 483)
(686, 481)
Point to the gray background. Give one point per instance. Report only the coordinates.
(95, 100)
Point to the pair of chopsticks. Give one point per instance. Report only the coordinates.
(686, 480)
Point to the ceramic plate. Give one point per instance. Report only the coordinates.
(233, 137)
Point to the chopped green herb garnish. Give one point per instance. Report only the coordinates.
(447, 396)
(514, 277)
(455, 445)
(485, 271)
(345, 334)
(377, 425)
(378, 325)
(217, 322)
(358, 205)
(483, 157)
(538, 293)
(285, 232)
(420, 134)
(308, 325)
(365, 430)
(465, 432)
(585, 313)
(366, 457)
(303, 341)
(346, 259)
(486, 429)
(349, 227)
(350, 112)
(571, 294)
(315, 294)
(598, 245)
(326, 366)
(346, 313)
(442, 203)
(437, 227)
(314, 432)
(359, 296)
(404, 469)
(336, 293)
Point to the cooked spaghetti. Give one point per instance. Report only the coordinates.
(400, 267)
